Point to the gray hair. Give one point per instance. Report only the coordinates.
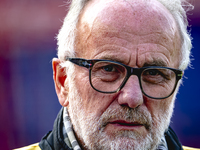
(178, 8)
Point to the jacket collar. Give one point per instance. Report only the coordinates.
(172, 140)
(54, 139)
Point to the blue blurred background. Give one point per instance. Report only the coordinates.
(28, 102)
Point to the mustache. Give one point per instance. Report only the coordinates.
(132, 115)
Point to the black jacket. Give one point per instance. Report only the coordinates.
(54, 139)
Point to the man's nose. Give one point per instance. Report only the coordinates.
(131, 94)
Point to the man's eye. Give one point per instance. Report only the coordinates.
(109, 68)
(152, 72)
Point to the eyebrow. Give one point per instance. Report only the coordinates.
(159, 63)
(113, 59)
(155, 63)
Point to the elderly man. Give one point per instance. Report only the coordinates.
(119, 68)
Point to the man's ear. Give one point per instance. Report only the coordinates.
(59, 76)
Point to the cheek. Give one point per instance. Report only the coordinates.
(92, 101)
(158, 108)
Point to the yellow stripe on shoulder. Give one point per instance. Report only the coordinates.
(190, 148)
(30, 147)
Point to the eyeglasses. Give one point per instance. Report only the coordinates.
(108, 76)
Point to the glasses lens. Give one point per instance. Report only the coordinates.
(107, 76)
(158, 82)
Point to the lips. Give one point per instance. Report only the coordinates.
(126, 124)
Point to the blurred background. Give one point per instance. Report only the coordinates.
(28, 102)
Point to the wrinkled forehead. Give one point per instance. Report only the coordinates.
(136, 16)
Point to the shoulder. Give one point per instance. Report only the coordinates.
(30, 147)
(189, 148)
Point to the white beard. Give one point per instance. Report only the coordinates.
(90, 129)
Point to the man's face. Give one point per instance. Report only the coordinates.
(136, 34)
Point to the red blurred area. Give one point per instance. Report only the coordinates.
(27, 29)
(28, 22)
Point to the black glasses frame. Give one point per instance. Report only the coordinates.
(89, 63)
